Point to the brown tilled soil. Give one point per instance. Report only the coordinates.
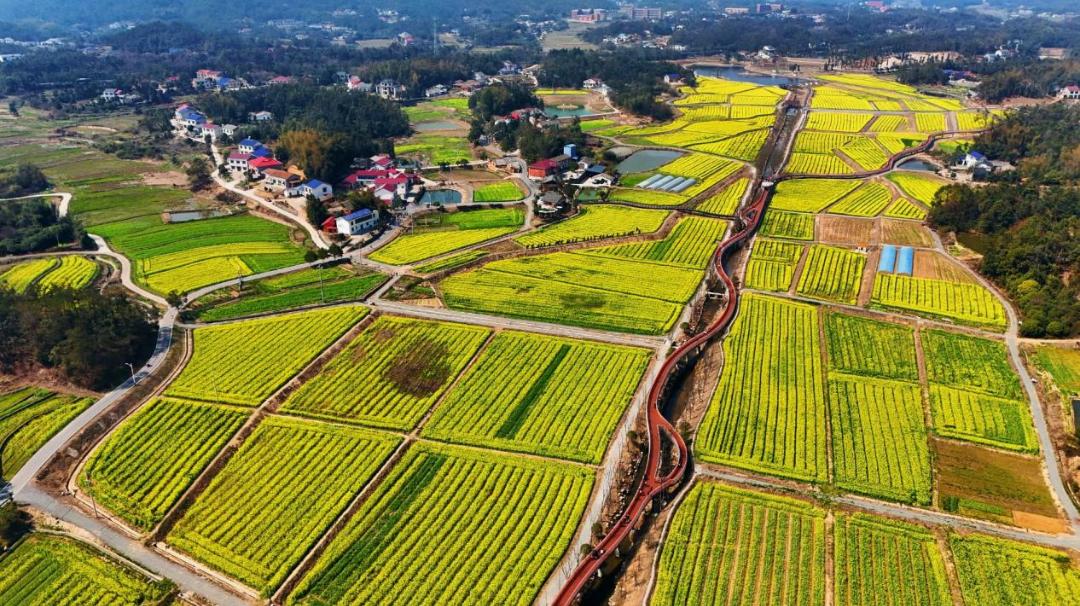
(932, 264)
(852, 231)
(905, 233)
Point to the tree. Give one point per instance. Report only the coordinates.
(14, 523)
(321, 155)
(198, 173)
(335, 251)
(310, 256)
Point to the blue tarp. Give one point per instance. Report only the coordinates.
(888, 258)
(907, 261)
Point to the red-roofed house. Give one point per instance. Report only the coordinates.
(277, 179)
(382, 161)
(282, 80)
(238, 161)
(263, 164)
(1071, 91)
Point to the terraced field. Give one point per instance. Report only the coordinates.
(726, 202)
(28, 418)
(244, 362)
(301, 474)
(390, 374)
(541, 395)
(772, 265)
(810, 195)
(832, 273)
(20, 276)
(729, 546)
(74, 272)
(596, 222)
(692, 243)
(441, 500)
(768, 411)
(444, 232)
(963, 302)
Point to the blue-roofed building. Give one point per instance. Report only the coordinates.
(188, 116)
(321, 191)
(262, 152)
(358, 222)
(248, 146)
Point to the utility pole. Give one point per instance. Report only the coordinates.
(134, 381)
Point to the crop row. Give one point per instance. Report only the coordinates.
(917, 186)
(692, 243)
(595, 222)
(28, 418)
(802, 163)
(964, 302)
(74, 272)
(21, 275)
(725, 202)
(838, 122)
(781, 224)
(810, 195)
(866, 201)
(744, 146)
(832, 273)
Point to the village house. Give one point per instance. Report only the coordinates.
(187, 117)
(1070, 92)
(260, 116)
(389, 89)
(354, 83)
(248, 146)
(436, 91)
(111, 95)
(209, 129)
(543, 169)
(358, 222)
(317, 189)
(279, 180)
(281, 80)
(260, 165)
(238, 161)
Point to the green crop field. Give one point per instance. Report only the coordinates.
(28, 418)
(726, 202)
(186, 256)
(832, 273)
(919, 187)
(744, 146)
(390, 374)
(647, 197)
(903, 208)
(505, 520)
(21, 275)
(968, 362)
(866, 152)
(964, 302)
(768, 411)
(880, 562)
(441, 233)
(596, 222)
(866, 201)
(307, 287)
(879, 439)
(74, 272)
(781, 224)
(451, 262)
(1000, 572)
(692, 243)
(772, 264)
(500, 191)
(285, 485)
(810, 195)
(966, 415)
(728, 546)
(541, 395)
(623, 275)
(245, 362)
(860, 346)
(435, 149)
(49, 569)
(520, 296)
(143, 467)
(1062, 364)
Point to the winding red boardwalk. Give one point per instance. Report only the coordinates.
(652, 484)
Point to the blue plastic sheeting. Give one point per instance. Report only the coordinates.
(888, 258)
(907, 261)
(659, 184)
(673, 185)
(647, 182)
(687, 182)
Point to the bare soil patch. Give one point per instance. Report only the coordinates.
(905, 233)
(851, 231)
(934, 265)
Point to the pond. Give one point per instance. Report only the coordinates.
(441, 196)
(916, 164)
(183, 216)
(568, 112)
(646, 159)
(739, 74)
(436, 125)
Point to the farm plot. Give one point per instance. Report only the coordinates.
(706, 169)
(810, 195)
(150, 460)
(964, 302)
(772, 264)
(805, 163)
(50, 569)
(838, 122)
(782, 224)
(691, 243)
(1062, 364)
(729, 546)
(930, 123)
(595, 222)
(905, 233)
(768, 411)
(890, 123)
(841, 230)
(969, 362)
(832, 273)
(307, 287)
(880, 562)
(74, 272)
(501, 191)
(1000, 572)
(505, 519)
(726, 202)
(445, 232)
(451, 262)
(301, 474)
(894, 143)
(20, 276)
(919, 187)
(245, 362)
(28, 418)
(879, 439)
(865, 347)
(866, 153)
(391, 374)
(486, 291)
(647, 197)
(905, 209)
(541, 395)
(745, 146)
(973, 120)
(866, 201)
(186, 256)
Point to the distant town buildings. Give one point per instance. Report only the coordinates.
(588, 15)
(641, 13)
